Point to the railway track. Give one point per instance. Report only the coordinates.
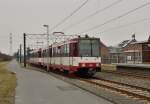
(124, 84)
(130, 74)
(127, 90)
(118, 87)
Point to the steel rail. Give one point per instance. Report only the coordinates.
(140, 96)
(129, 74)
(124, 84)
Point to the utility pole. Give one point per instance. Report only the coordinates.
(20, 52)
(10, 42)
(48, 51)
(24, 41)
(17, 55)
(28, 53)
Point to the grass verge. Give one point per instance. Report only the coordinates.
(108, 67)
(7, 85)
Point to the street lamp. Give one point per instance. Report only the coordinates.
(47, 27)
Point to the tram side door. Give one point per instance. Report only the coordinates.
(70, 54)
(73, 53)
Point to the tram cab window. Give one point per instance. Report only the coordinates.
(95, 44)
(89, 48)
(85, 48)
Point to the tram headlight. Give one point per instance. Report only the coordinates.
(97, 65)
(83, 65)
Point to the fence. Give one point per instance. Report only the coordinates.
(121, 59)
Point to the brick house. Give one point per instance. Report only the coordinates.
(104, 52)
(116, 52)
(116, 55)
(137, 52)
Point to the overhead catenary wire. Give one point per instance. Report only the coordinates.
(116, 18)
(37, 38)
(125, 25)
(70, 15)
(92, 15)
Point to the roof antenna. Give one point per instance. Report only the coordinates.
(86, 36)
(133, 37)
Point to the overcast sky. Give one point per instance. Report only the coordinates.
(19, 16)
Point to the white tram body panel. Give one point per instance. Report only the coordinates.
(77, 60)
(69, 61)
(74, 55)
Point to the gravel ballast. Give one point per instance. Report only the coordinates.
(145, 83)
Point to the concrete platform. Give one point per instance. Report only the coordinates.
(34, 87)
(140, 66)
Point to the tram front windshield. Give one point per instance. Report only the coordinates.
(89, 48)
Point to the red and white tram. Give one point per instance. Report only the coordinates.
(79, 55)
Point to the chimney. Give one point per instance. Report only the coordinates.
(133, 37)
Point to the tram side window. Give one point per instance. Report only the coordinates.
(34, 55)
(58, 51)
(50, 52)
(39, 54)
(31, 55)
(62, 51)
(66, 50)
(54, 51)
(44, 53)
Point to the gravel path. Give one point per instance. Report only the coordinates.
(34, 87)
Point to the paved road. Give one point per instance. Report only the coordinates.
(34, 87)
